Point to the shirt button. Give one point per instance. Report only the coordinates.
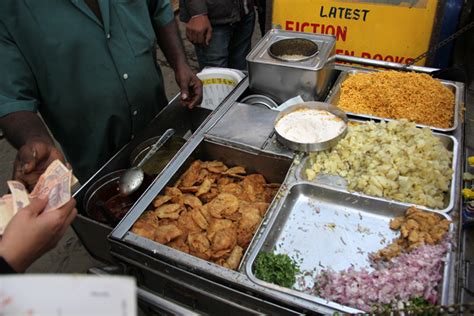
(108, 35)
(125, 76)
(135, 112)
(133, 136)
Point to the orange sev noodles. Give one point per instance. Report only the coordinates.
(396, 95)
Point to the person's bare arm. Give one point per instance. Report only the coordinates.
(199, 30)
(170, 43)
(19, 102)
(36, 149)
(20, 127)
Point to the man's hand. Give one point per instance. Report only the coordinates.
(199, 30)
(32, 160)
(31, 233)
(190, 85)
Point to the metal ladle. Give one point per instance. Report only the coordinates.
(132, 178)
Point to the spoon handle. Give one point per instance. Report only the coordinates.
(154, 148)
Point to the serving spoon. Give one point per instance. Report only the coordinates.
(131, 180)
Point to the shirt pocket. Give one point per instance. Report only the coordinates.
(134, 18)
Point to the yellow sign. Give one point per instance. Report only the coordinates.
(396, 31)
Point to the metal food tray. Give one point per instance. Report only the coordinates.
(273, 168)
(335, 93)
(323, 227)
(339, 182)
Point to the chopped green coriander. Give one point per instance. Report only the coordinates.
(279, 269)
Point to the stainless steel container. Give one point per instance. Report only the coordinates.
(272, 72)
(343, 229)
(309, 147)
(335, 94)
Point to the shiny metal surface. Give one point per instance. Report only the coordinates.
(283, 80)
(450, 142)
(157, 186)
(311, 147)
(132, 178)
(94, 234)
(163, 156)
(300, 48)
(204, 295)
(344, 228)
(335, 93)
(148, 260)
(259, 99)
(273, 168)
(380, 63)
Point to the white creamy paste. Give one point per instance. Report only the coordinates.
(310, 126)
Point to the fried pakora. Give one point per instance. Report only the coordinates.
(212, 212)
(416, 228)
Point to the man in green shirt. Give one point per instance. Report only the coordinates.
(89, 68)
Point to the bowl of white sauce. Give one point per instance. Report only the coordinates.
(310, 126)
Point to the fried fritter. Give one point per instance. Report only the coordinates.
(232, 188)
(261, 206)
(224, 239)
(223, 204)
(253, 187)
(238, 170)
(233, 260)
(186, 222)
(203, 174)
(179, 244)
(191, 176)
(216, 166)
(223, 181)
(169, 211)
(207, 197)
(174, 193)
(199, 219)
(218, 224)
(248, 225)
(199, 245)
(166, 233)
(212, 212)
(191, 200)
(204, 187)
(160, 200)
(416, 228)
(144, 229)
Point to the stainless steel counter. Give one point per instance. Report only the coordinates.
(178, 276)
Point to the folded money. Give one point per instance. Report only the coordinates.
(54, 184)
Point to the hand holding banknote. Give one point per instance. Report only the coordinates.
(32, 160)
(54, 185)
(33, 232)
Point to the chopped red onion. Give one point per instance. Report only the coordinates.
(414, 274)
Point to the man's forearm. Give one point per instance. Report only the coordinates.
(19, 127)
(169, 40)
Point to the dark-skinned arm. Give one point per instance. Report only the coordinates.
(36, 149)
(18, 137)
(198, 25)
(169, 40)
(19, 101)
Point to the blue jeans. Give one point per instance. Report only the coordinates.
(230, 44)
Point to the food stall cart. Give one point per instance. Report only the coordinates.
(242, 134)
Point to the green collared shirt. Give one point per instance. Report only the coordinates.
(95, 83)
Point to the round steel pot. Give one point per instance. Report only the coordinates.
(161, 158)
(260, 99)
(103, 202)
(285, 48)
(308, 147)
